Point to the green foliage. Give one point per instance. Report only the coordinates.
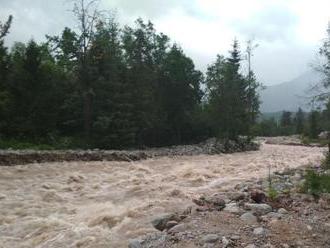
(233, 98)
(316, 183)
(118, 87)
(314, 127)
(21, 145)
(299, 121)
(126, 88)
(308, 125)
(272, 193)
(326, 161)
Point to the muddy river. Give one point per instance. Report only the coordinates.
(103, 204)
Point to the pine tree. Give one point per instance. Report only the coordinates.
(229, 96)
(299, 121)
(4, 68)
(286, 120)
(314, 128)
(180, 94)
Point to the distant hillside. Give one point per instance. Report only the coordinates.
(289, 95)
(269, 115)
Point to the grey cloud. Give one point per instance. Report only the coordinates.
(271, 24)
(151, 8)
(35, 19)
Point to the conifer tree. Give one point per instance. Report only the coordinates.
(230, 96)
(299, 121)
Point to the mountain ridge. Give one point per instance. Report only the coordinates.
(289, 95)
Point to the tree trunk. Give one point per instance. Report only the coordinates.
(87, 115)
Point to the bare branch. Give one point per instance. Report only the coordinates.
(4, 28)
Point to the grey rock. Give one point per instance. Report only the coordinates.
(210, 238)
(325, 197)
(236, 196)
(160, 221)
(282, 211)
(134, 243)
(273, 215)
(250, 246)
(171, 224)
(216, 201)
(249, 218)
(225, 242)
(178, 228)
(232, 208)
(260, 231)
(259, 209)
(235, 237)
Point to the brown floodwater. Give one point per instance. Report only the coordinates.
(103, 204)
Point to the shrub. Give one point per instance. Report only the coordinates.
(272, 193)
(326, 161)
(316, 183)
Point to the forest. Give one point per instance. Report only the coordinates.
(103, 85)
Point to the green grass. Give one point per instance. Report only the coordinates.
(22, 145)
(58, 144)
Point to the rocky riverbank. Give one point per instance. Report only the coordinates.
(248, 217)
(210, 146)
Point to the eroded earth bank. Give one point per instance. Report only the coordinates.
(104, 204)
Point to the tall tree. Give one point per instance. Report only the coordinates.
(229, 95)
(113, 123)
(253, 98)
(87, 16)
(314, 128)
(34, 91)
(180, 94)
(139, 47)
(299, 121)
(4, 68)
(286, 119)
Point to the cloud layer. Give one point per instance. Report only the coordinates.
(288, 31)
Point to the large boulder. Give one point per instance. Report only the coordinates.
(233, 208)
(249, 218)
(215, 202)
(258, 196)
(134, 243)
(210, 238)
(259, 209)
(160, 222)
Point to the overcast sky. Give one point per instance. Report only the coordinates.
(288, 32)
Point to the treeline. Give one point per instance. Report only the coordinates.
(108, 86)
(307, 124)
